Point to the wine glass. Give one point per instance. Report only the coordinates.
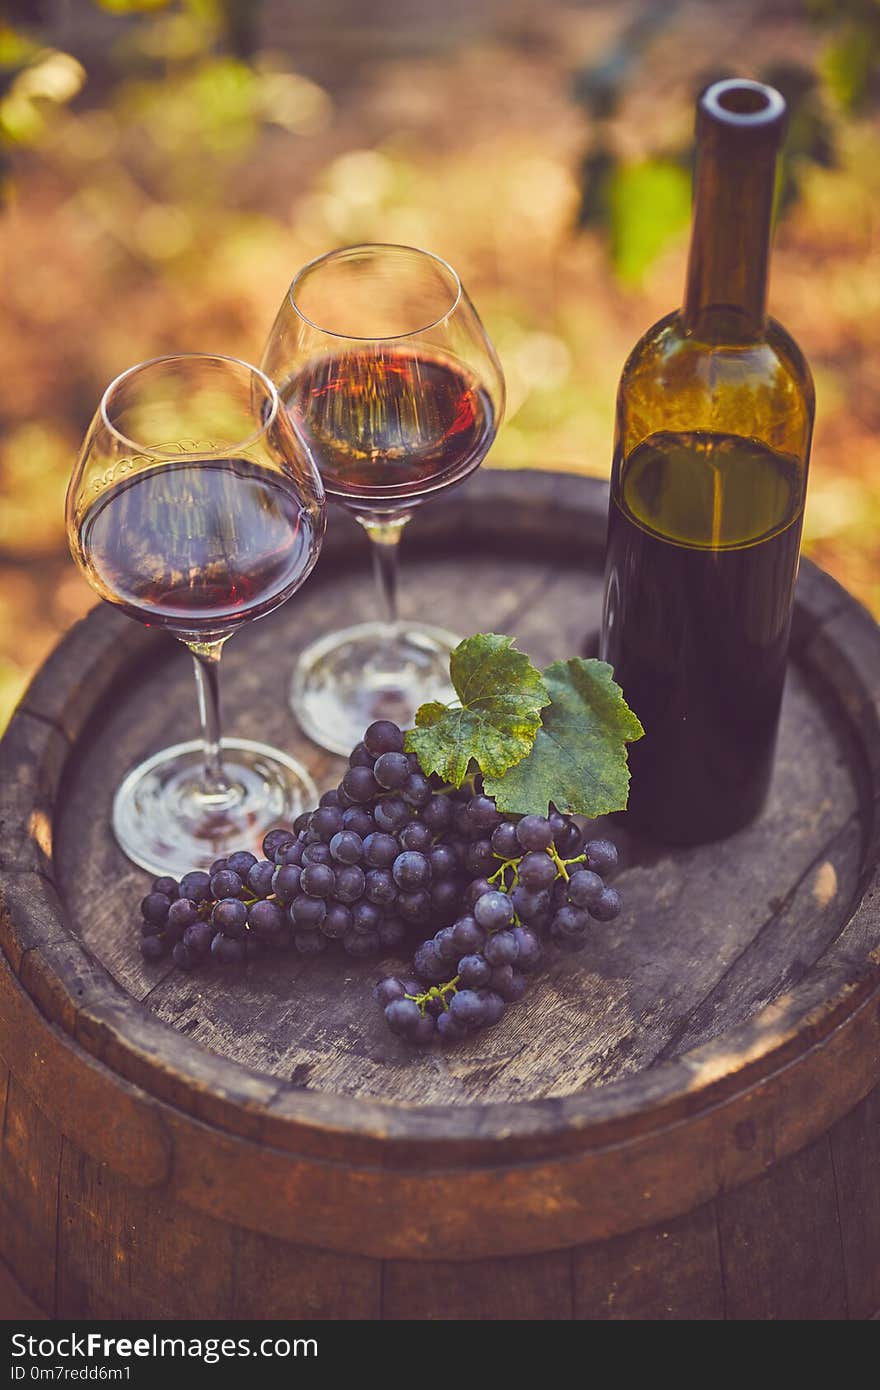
(384, 365)
(194, 506)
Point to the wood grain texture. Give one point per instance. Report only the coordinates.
(726, 1021)
(667, 1273)
(780, 1243)
(855, 1153)
(31, 1157)
(127, 1253)
(531, 1288)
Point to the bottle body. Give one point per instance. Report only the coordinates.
(712, 439)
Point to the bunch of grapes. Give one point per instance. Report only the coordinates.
(542, 880)
(388, 851)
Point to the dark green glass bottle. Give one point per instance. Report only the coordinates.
(712, 442)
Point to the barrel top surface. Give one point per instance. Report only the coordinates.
(728, 961)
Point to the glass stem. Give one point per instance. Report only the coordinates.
(385, 536)
(206, 660)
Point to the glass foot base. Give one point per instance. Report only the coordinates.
(167, 824)
(345, 681)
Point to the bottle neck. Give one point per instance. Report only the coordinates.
(726, 290)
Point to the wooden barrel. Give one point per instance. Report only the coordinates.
(681, 1122)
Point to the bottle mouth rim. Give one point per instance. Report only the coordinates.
(742, 104)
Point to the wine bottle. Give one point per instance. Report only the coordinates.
(712, 441)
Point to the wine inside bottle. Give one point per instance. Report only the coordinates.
(714, 420)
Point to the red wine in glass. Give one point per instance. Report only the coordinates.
(389, 425)
(199, 547)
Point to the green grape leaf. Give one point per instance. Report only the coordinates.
(501, 694)
(579, 759)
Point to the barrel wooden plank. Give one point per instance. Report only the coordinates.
(667, 1273)
(275, 1279)
(15, 1305)
(125, 1251)
(780, 1242)
(530, 1288)
(855, 1152)
(31, 1158)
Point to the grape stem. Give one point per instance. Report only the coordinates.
(435, 992)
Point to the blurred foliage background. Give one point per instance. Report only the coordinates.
(167, 165)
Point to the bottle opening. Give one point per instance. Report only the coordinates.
(741, 103)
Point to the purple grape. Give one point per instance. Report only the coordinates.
(493, 910)
(416, 790)
(402, 1016)
(266, 919)
(476, 889)
(307, 913)
(467, 1008)
(317, 853)
(537, 870)
(181, 914)
(493, 1005)
(285, 882)
(387, 990)
(230, 917)
(277, 839)
(347, 847)
(318, 880)
(380, 850)
(604, 909)
(444, 944)
(380, 887)
(584, 888)
(196, 886)
(529, 949)
(571, 922)
(350, 882)
(469, 936)
(337, 922)
(182, 956)
(448, 1030)
(360, 821)
(437, 814)
(429, 964)
(198, 937)
(504, 841)
(411, 871)
(391, 771)
(360, 756)
(474, 971)
(534, 832)
(416, 836)
(259, 880)
(154, 947)
(443, 862)
(327, 822)
(479, 858)
(365, 916)
(601, 856)
(383, 737)
(360, 784)
(413, 907)
(501, 949)
(241, 863)
(168, 887)
(507, 982)
(227, 950)
(391, 814)
(154, 909)
(226, 884)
